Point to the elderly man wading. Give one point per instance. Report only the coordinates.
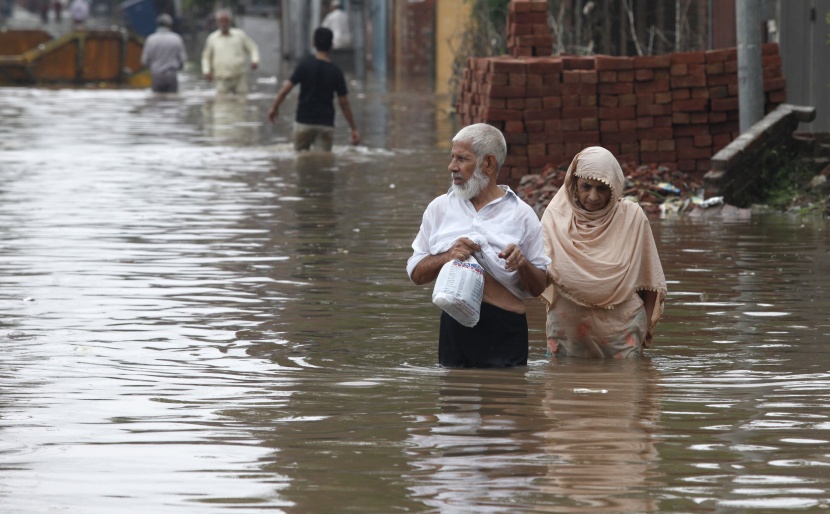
(510, 249)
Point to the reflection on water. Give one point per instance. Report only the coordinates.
(194, 319)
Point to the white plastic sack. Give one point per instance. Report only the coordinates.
(458, 290)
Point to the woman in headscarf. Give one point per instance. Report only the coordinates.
(606, 286)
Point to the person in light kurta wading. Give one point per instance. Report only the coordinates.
(511, 251)
(225, 56)
(608, 287)
(319, 81)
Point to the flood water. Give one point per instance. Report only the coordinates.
(195, 320)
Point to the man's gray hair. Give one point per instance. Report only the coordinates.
(164, 20)
(485, 139)
(224, 12)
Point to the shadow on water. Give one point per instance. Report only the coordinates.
(196, 319)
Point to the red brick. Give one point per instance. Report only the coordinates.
(657, 157)
(648, 145)
(541, 28)
(609, 101)
(516, 161)
(769, 48)
(629, 100)
(541, 114)
(725, 104)
(517, 79)
(721, 80)
(519, 6)
(644, 122)
(579, 88)
(694, 153)
(514, 126)
(553, 79)
(654, 110)
(516, 103)
(552, 102)
(699, 118)
(663, 121)
(721, 55)
(518, 29)
(609, 126)
(537, 149)
(586, 137)
(692, 131)
(569, 124)
(775, 84)
(703, 140)
(579, 112)
(625, 75)
(714, 68)
(663, 98)
(607, 76)
(695, 104)
(544, 66)
(604, 62)
(628, 125)
(620, 88)
(652, 61)
(688, 58)
(507, 65)
(681, 118)
(666, 145)
(653, 86)
(619, 137)
(503, 115)
(588, 124)
(777, 97)
(535, 80)
(656, 133)
(689, 81)
(530, 17)
(578, 63)
(513, 138)
(680, 69)
(588, 101)
(717, 117)
(643, 74)
(617, 113)
(553, 125)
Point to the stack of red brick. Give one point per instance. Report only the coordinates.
(676, 110)
(528, 32)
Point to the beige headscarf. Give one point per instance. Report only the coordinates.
(602, 258)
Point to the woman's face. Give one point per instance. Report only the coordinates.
(592, 194)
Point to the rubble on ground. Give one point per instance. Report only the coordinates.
(658, 189)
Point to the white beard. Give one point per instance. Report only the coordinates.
(473, 187)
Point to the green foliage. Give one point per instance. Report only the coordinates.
(782, 175)
(483, 36)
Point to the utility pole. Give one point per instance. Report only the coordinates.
(750, 66)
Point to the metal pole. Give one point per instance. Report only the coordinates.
(750, 69)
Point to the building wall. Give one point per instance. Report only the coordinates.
(451, 19)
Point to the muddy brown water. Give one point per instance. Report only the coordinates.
(196, 320)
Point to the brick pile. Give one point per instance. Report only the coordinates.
(528, 32)
(674, 110)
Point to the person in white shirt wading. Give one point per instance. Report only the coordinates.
(511, 251)
(225, 55)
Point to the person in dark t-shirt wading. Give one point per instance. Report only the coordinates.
(319, 80)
